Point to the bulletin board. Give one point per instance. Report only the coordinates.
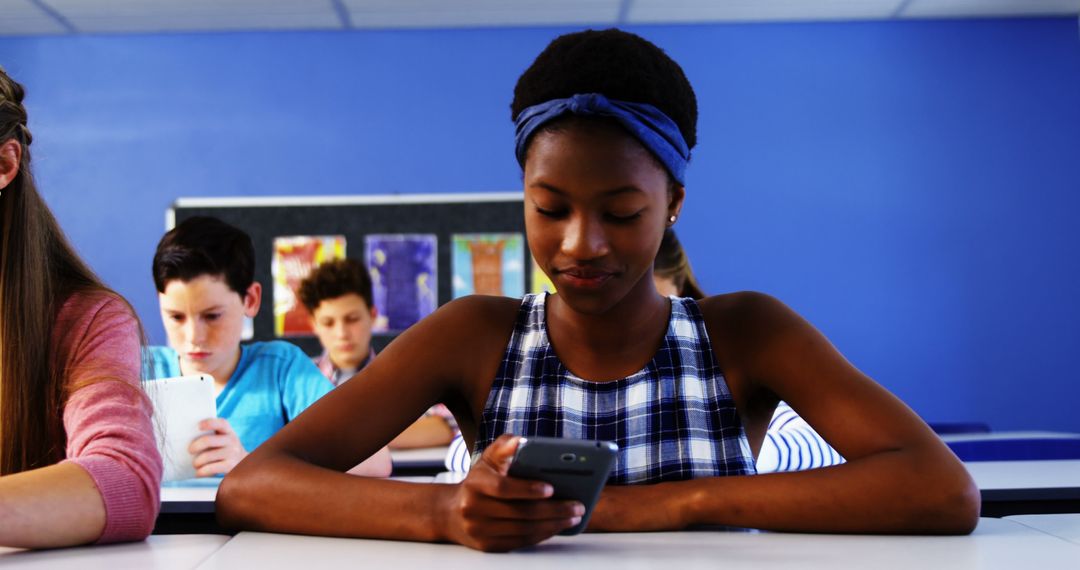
(437, 236)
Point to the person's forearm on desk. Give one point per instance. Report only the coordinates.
(900, 477)
(293, 496)
(884, 493)
(294, 482)
(488, 511)
(50, 507)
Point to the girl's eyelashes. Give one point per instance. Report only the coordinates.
(624, 218)
(619, 218)
(550, 213)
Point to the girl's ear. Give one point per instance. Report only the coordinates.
(252, 299)
(675, 201)
(10, 158)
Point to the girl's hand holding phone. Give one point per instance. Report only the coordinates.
(494, 512)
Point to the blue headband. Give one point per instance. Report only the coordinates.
(648, 124)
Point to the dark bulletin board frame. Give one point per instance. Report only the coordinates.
(355, 217)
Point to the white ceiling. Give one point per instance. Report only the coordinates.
(34, 17)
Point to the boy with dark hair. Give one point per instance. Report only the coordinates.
(338, 296)
(204, 273)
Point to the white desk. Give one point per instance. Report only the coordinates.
(200, 498)
(1062, 526)
(1007, 435)
(1005, 475)
(187, 507)
(997, 543)
(419, 461)
(197, 498)
(1027, 487)
(175, 552)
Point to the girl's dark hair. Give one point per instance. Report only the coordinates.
(616, 64)
(203, 245)
(39, 270)
(335, 279)
(672, 263)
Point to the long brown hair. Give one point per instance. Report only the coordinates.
(39, 270)
(672, 263)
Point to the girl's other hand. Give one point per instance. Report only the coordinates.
(494, 512)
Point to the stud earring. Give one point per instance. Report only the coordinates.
(671, 220)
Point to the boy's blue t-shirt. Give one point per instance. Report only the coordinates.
(273, 382)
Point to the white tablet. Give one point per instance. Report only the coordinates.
(180, 403)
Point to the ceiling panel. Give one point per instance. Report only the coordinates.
(480, 13)
(26, 17)
(196, 15)
(988, 8)
(22, 17)
(655, 11)
(202, 23)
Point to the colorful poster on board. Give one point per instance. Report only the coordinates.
(295, 257)
(404, 278)
(540, 281)
(488, 264)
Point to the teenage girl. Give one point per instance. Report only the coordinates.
(605, 122)
(78, 462)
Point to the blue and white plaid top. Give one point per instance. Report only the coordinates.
(673, 420)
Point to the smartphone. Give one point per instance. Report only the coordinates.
(576, 469)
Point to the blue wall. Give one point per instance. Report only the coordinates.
(909, 187)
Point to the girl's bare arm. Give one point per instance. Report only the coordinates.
(295, 482)
(899, 477)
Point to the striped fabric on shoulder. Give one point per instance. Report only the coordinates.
(457, 456)
(792, 445)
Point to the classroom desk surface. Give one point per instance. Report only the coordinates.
(1002, 475)
(1027, 487)
(189, 508)
(419, 461)
(1004, 435)
(176, 552)
(197, 498)
(1066, 526)
(997, 543)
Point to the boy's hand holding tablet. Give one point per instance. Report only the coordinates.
(218, 451)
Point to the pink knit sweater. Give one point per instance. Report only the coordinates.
(107, 415)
